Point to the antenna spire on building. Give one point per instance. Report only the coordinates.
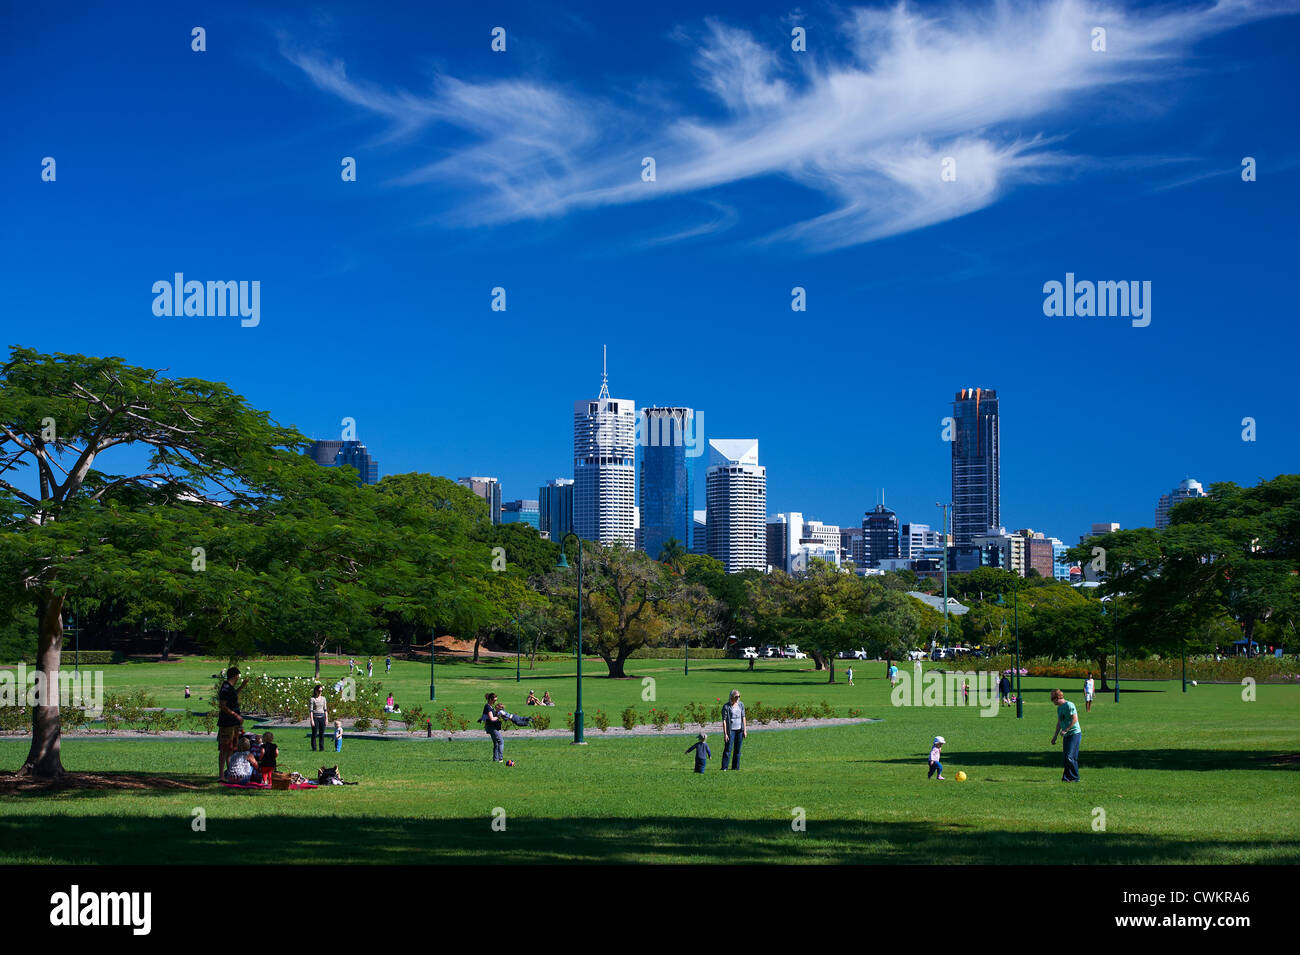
(604, 372)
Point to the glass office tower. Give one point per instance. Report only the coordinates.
(353, 454)
(667, 478)
(976, 467)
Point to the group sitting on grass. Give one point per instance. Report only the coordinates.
(534, 701)
(253, 761)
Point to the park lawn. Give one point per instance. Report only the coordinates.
(1182, 778)
(461, 684)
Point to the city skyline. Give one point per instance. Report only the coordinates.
(1118, 169)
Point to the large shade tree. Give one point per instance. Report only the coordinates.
(78, 504)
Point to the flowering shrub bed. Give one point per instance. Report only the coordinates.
(289, 697)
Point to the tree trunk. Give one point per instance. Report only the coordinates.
(831, 658)
(43, 759)
(616, 665)
(318, 649)
(477, 640)
(818, 660)
(1101, 666)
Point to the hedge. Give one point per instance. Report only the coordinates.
(1200, 668)
(677, 653)
(86, 658)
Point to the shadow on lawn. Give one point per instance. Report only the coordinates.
(338, 838)
(1174, 760)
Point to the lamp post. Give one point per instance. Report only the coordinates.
(564, 564)
(687, 668)
(518, 647)
(1184, 666)
(1015, 611)
(1114, 626)
(432, 696)
(944, 541)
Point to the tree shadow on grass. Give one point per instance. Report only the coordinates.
(1173, 760)
(336, 838)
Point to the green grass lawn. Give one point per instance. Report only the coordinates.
(1197, 777)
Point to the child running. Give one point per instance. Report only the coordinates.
(936, 752)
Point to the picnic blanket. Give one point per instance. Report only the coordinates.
(267, 785)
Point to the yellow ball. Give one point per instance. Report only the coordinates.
(961, 777)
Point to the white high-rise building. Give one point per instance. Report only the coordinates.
(736, 495)
(1186, 490)
(604, 468)
(816, 531)
(918, 540)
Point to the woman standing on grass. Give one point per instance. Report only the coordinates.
(319, 717)
(492, 723)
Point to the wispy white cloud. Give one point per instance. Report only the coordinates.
(865, 120)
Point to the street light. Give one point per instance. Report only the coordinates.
(564, 565)
(1015, 611)
(432, 634)
(944, 540)
(1114, 626)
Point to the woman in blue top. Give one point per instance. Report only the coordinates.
(492, 723)
(1067, 727)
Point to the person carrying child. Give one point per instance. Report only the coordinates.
(702, 753)
(936, 752)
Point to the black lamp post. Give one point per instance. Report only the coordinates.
(432, 696)
(1015, 611)
(564, 564)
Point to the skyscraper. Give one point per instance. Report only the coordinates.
(976, 464)
(736, 495)
(604, 468)
(916, 541)
(879, 536)
(488, 488)
(1186, 490)
(784, 531)
(521, 512)
(555, 508)
(667, 478)
(353, 454)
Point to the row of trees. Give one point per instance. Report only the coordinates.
(134, 496)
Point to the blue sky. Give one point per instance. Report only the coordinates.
(774, 169)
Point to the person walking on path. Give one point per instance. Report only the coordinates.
(893, 673)
(1004, 687)
(734, 730)
(850, 676)
(319, 715)
(1067, 727)
(491, 720)
(229, 720)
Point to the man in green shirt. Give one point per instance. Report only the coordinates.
(1067, 727)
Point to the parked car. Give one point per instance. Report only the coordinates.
(749, 653)
(773, 652)
(916, 655)
(795, 653)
